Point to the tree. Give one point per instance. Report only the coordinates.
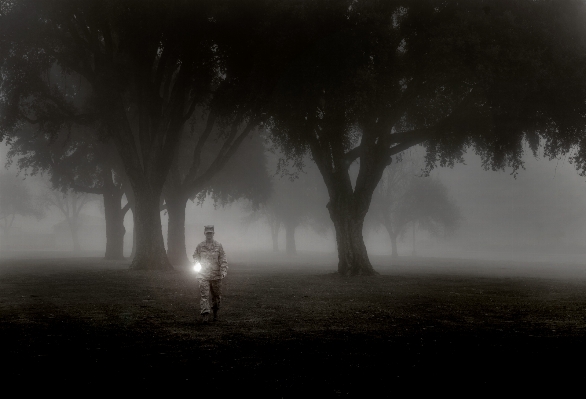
(209, 170)
(147, 66)
(70, 204)
(15, 200)
(296, 200)
(385, 209)
(146, 72)
(378, 77)
(403, 198)
(75, 160)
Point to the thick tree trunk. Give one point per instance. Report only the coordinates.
(352, 256)
(115, 230)
(150, 247)
(176, 251)
(290, 246)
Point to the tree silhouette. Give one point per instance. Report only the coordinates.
(378, 77)
(70, 204)
(140, 70)
(404, 197)
(75, 160)
(294, 202)
(15, 200)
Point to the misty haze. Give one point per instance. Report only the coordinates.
(293, 198)
(535, 216)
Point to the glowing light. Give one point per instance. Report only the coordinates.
(197, 267)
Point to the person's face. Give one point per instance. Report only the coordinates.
(209, 235)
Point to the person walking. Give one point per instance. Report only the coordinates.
(214, 267)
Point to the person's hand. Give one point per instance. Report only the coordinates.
(223, 274)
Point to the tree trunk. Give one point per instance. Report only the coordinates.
(413, 253)
(130, 198)
(393, 236)
(290, 247)
(394, 253)
(115, 230)
(352, 256)
(5, 239)
(275, 236)
(73, 228)
(133, 251)
(150, 247)
(176, 251)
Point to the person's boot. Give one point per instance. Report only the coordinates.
(215, 314)
(205, 318)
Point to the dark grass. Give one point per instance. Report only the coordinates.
(288, 328)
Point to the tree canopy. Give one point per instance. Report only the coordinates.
(140, 70)
(343, 80)
(378, 77)
(15, 200)
(75, 159)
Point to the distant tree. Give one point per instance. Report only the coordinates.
(267, 214)
(428, 204)
(15, 200)
(405, 197)
(295, 201)
(70, 204)
(385, 208)
(378, 77)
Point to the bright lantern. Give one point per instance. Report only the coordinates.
(197, 267)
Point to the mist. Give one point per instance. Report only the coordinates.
(533, 215)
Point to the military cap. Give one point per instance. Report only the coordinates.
(208, 228)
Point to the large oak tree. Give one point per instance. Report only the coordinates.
(149, 66)
(378, 77)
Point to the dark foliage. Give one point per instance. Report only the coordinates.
(378, 77)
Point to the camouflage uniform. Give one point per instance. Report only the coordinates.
(214, 267)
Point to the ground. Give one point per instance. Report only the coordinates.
(291, 327)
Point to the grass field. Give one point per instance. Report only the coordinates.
(291, 326)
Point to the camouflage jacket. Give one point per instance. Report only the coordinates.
(213, 261)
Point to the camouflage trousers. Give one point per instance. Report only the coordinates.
(211, 293)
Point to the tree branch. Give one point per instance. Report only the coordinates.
(222, 158)
(125, 208)
(199, 147)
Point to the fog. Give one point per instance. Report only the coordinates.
(536, 215)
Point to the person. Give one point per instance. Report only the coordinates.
(214, 267)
